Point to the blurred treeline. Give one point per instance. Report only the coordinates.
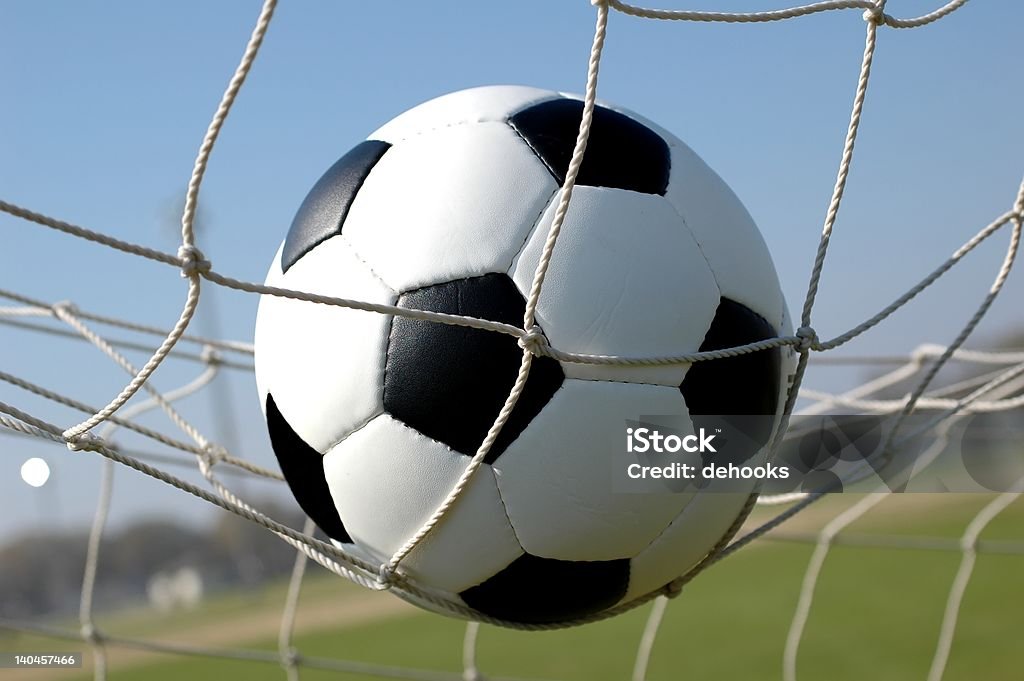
(41, 574)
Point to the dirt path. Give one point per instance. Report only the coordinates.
(348, 609)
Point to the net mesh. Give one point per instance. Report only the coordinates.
(1000, 388)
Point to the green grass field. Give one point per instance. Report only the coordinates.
(876, 617)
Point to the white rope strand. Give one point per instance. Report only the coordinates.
(646, 647)
(810, 581)
(288, 652)
(787, 13)
(844, 165)
(740, 17)
(969, 555)
(252, 48)
(470, 671)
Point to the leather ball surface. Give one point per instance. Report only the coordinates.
(373, 418)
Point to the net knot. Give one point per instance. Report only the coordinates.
(533, 341)
(808, 339)
(210, 455)
(673, 589)
(78, 442)
(385, 576)
(90, 633)
(876, 14)
(64, 307)
(290, 658)
(210, 356)
(192, 261)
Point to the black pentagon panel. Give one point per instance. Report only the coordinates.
(621, 153)
(324, 209)
(746, 385)
(543, 590)
(449, 382)
(303, 470)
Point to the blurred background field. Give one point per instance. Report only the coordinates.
(876, 615)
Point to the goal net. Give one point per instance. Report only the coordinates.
(924, 400)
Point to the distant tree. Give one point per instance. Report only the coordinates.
(42, 575)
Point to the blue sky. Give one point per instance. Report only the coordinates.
(105, 105)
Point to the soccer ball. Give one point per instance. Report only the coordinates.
(374, 417)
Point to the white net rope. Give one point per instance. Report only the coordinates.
(1000, 388)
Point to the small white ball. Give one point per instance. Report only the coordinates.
(35, 472)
